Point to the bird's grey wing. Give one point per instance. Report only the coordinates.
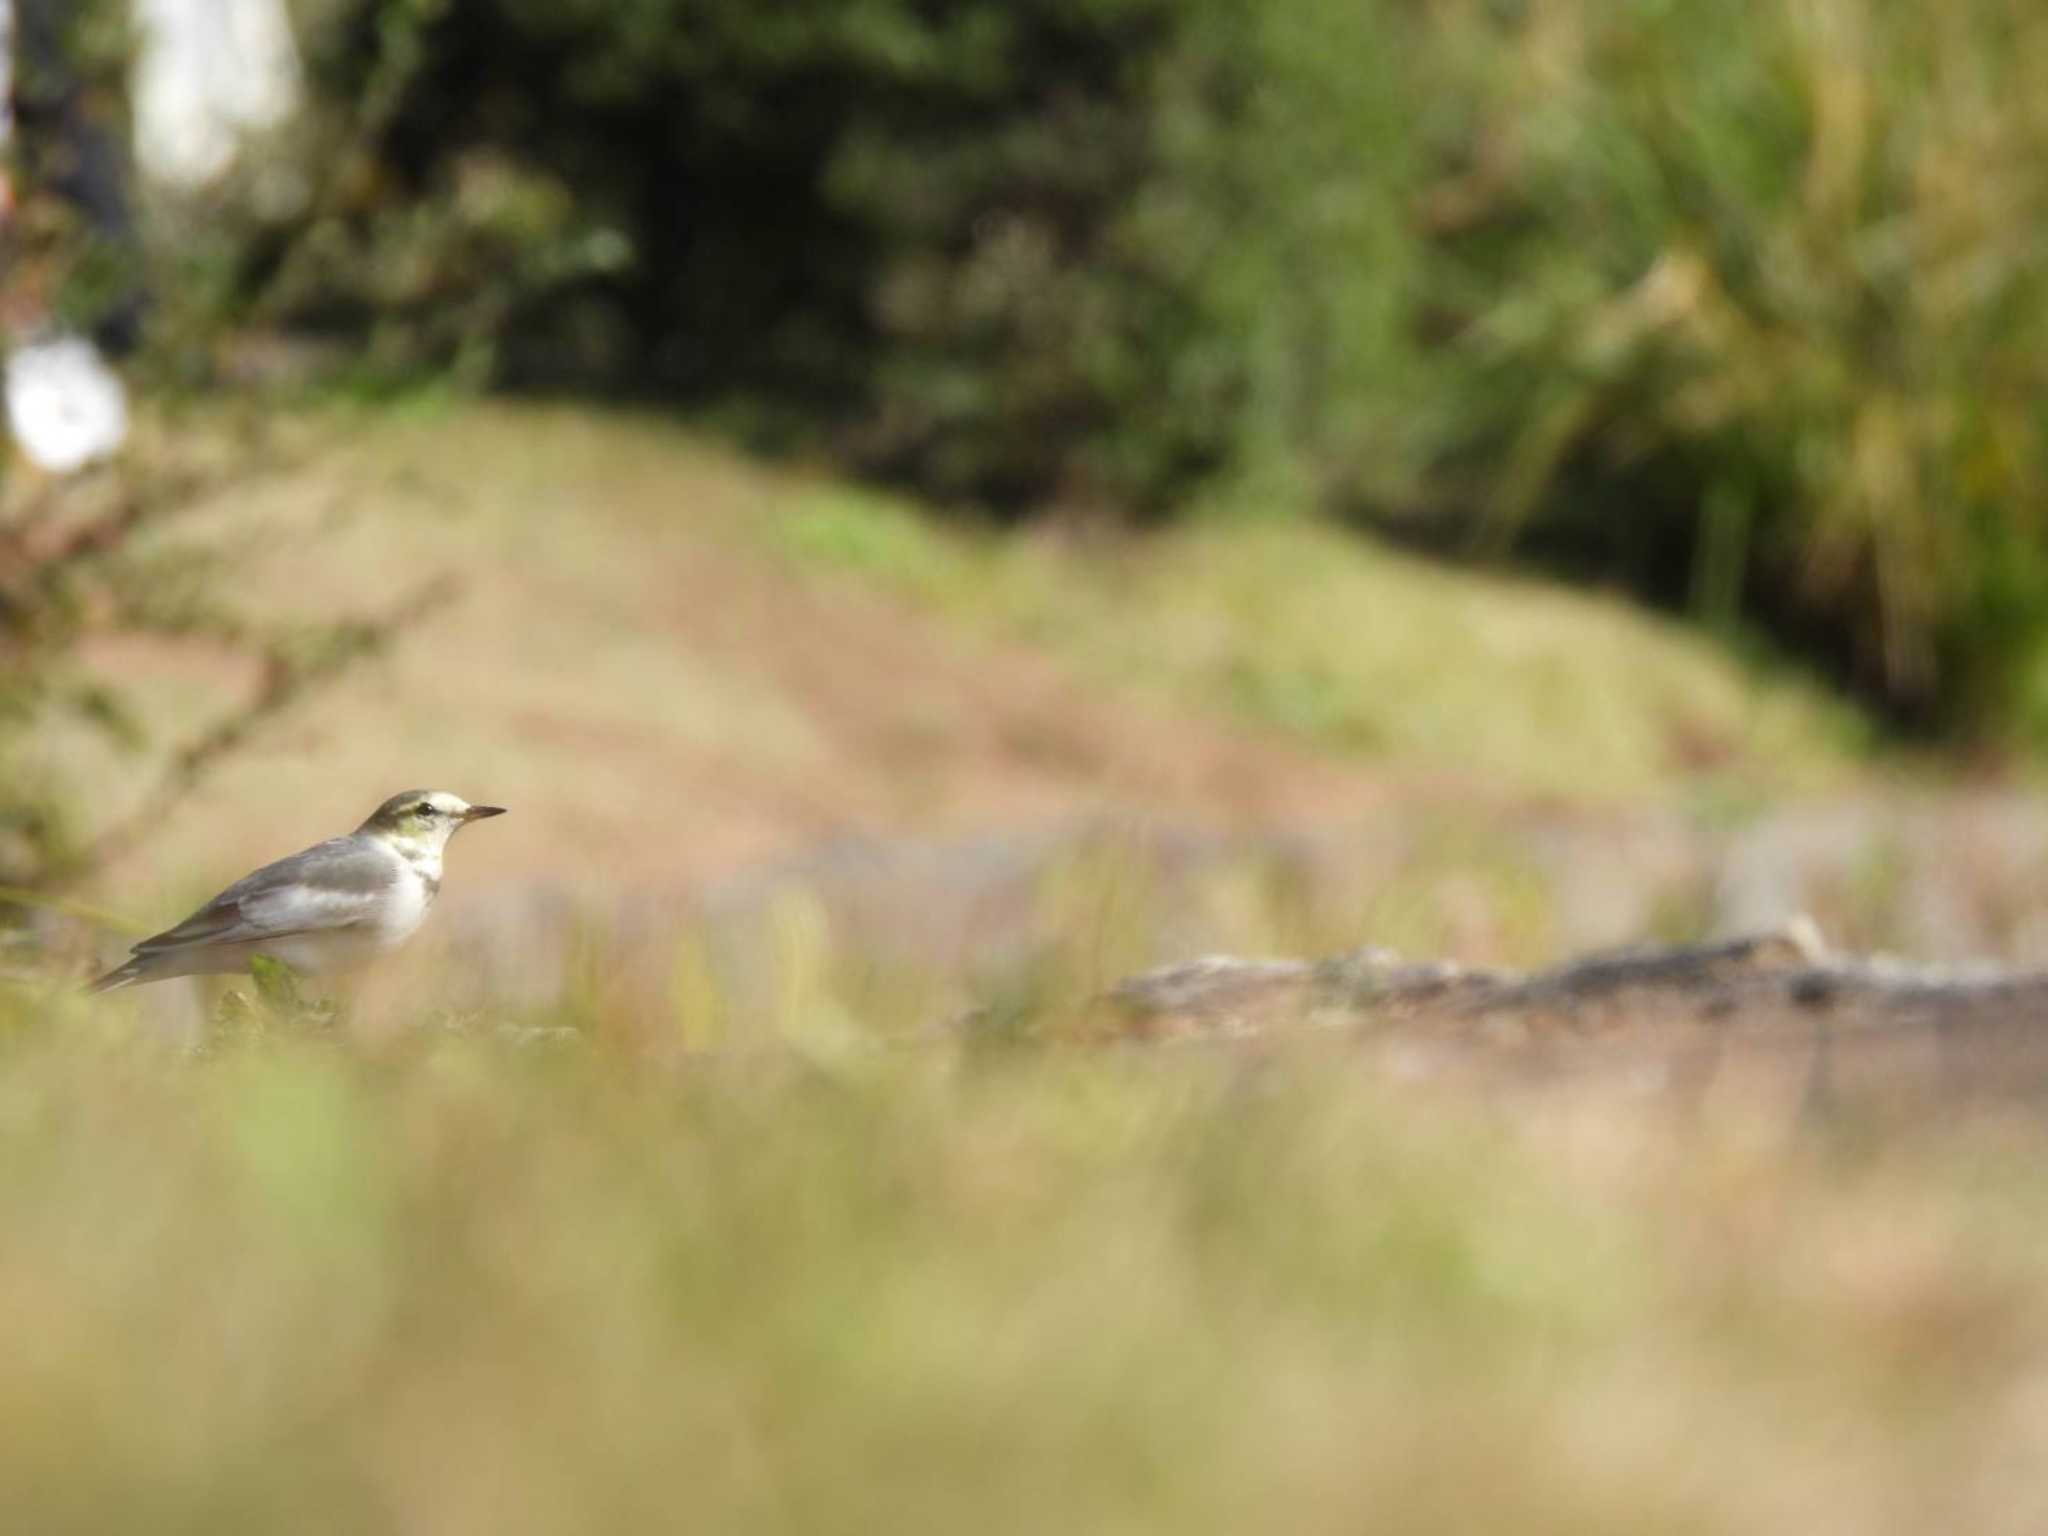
(335, 884)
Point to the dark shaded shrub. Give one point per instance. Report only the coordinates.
(935, 232)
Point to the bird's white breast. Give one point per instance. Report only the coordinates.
(399, 910)
(407, 904)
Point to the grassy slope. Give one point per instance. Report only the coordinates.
(1400, 664)
(676, 665)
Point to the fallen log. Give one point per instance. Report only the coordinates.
(1776, 1011)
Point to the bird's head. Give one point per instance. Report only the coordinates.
(422, 820)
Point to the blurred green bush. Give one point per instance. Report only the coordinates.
(1739, 303)
(1748, 303)
(997, 250)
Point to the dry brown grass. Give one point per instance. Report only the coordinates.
(457, 1285)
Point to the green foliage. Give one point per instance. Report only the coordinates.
(1753, 309)
(280, 1008)
(1005, 251)
(276, 984)
(885, 540)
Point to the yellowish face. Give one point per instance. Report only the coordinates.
(427, 817)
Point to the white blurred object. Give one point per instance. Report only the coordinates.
(208, 73)
(66, 407)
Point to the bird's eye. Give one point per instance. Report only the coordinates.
(424, 809)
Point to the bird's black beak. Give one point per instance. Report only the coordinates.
(481, 812)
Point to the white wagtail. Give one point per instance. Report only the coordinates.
(334, 906)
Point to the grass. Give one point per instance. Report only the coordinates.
(1311, 632)
(455, 1284)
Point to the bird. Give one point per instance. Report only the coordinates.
(331, 907)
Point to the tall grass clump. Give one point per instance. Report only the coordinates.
(1751, 307)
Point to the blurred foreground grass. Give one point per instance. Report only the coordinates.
(457, 1284)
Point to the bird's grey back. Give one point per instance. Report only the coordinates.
(343, 864)
(256, 906)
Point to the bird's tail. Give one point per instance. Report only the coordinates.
(125, 974)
